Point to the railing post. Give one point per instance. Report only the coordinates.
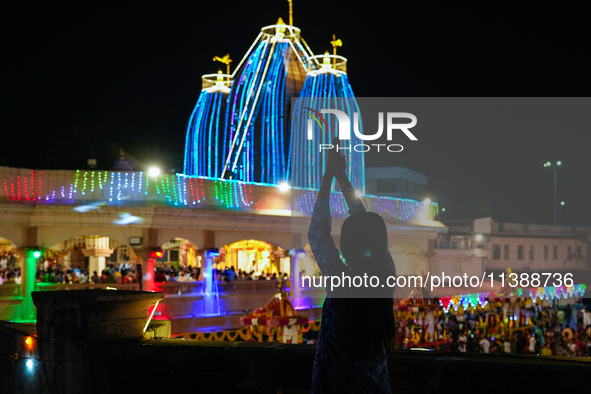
(208, 282)
(148, 275)
(29, 272)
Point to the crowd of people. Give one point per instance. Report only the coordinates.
(9, 272)
(558, 331)
(52, 272)
(113, 273)
(229, 274)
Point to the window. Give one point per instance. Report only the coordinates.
(174, 255)
(386, 186)
(545, 252)
(506, 252)
(496, 252)
(569, 255)
(531, 252)
(520, 252)
(555, 252)
(578, 253)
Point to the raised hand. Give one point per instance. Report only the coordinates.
(335, 161)
(341, 171)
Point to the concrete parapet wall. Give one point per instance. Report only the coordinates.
(233, 367)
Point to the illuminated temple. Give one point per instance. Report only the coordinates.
(244, 118)
(239, 193)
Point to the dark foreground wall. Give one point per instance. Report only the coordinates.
(172, 366)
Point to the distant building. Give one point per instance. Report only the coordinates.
(395, 182)
(482, 246)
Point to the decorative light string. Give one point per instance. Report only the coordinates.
(117, 187)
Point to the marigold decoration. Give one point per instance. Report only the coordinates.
(277, 318)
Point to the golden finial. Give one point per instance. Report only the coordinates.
(290, 12)
(226, 60)
(335, 43)
(279, 30)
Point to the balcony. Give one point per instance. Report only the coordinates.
(460, 243)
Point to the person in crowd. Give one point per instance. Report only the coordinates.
(231, 274)
(484, 345)
(49, 277)
(59, 277)
(462, 342)
(95, 278)
(159, 277)
(532, 343)
(568, 311)
(10, 278)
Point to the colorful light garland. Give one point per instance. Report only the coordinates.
(133, 187)
(557, 292)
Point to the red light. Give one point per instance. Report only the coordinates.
(157, 254)
(29, 342)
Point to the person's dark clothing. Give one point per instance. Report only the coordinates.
(351, 353)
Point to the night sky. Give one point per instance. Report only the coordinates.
(86, 80)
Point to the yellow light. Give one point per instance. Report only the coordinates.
(151, 315)
(326, 60)
(279, 30)
(29, 342)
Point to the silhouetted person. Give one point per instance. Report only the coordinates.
(355, 332)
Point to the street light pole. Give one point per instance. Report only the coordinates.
(555, 202)
(558, 164)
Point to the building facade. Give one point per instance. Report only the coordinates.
(397, 182)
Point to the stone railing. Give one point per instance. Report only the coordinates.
(85, 286)
(178, 288)
(10, 290)
(244, 286)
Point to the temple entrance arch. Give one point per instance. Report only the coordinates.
(255, 258)
(89, 254)
(179, 253)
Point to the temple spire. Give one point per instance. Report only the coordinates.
(335, 43)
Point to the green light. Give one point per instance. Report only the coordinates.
(37, 254)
